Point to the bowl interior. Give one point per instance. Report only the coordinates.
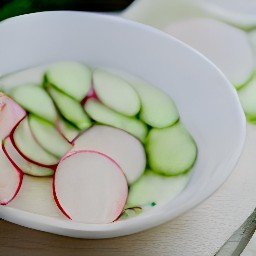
(207, 102)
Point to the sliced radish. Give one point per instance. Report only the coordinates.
(226, 46)
(171, 151)
(36, 196)
(48, 136)
(28, 147)
(21, 163)
(68, 131)
(35, 100)
(90, 94)
(124, 148)
(71, 78)
(10, 114)
(90, 187)
(155, 188)
(70, 109)
(116, 93)
(157, 108)
(247, 96)
(10, 180)
(105, 115)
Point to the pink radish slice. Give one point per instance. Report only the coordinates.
(21, 163)
(91, 94)
(36, 196)
(10, 114)
(124, 148)
(10, 176)
(26, 145)
(10, 179)
(90, 187)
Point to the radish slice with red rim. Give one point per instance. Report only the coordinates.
(10, 114)
(124, 148)
(90, 187)
(23, 140)
(10, 176)
(10, 180)
(35, 196)
(21, 163)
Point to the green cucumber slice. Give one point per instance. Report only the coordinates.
(31, 75)
(157, 108)
(105, 115)
(171, 151)
(247, 96)
(67, 130)
(72, 78)
(70, 109)
(27, 146)
(34, 99)
(152, 187)
(48, 136)
(116, 93)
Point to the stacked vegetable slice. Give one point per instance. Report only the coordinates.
(10, 176)
(96, 133)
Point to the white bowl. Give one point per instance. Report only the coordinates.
(207, 102)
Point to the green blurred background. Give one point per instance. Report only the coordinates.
(10, 8)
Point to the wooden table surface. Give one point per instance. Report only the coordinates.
(199, 232)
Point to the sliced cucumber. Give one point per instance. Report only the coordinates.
(105, 115)
(155, 188)
(72, 78)
(48, 136)
(27, 146)
(31, 75)
(157, 108)
(171, 151)
(24, 165)
(247, 96)
(70, 109)
(67, 130)
(35, 100)
(231, 52)
(116, 93)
